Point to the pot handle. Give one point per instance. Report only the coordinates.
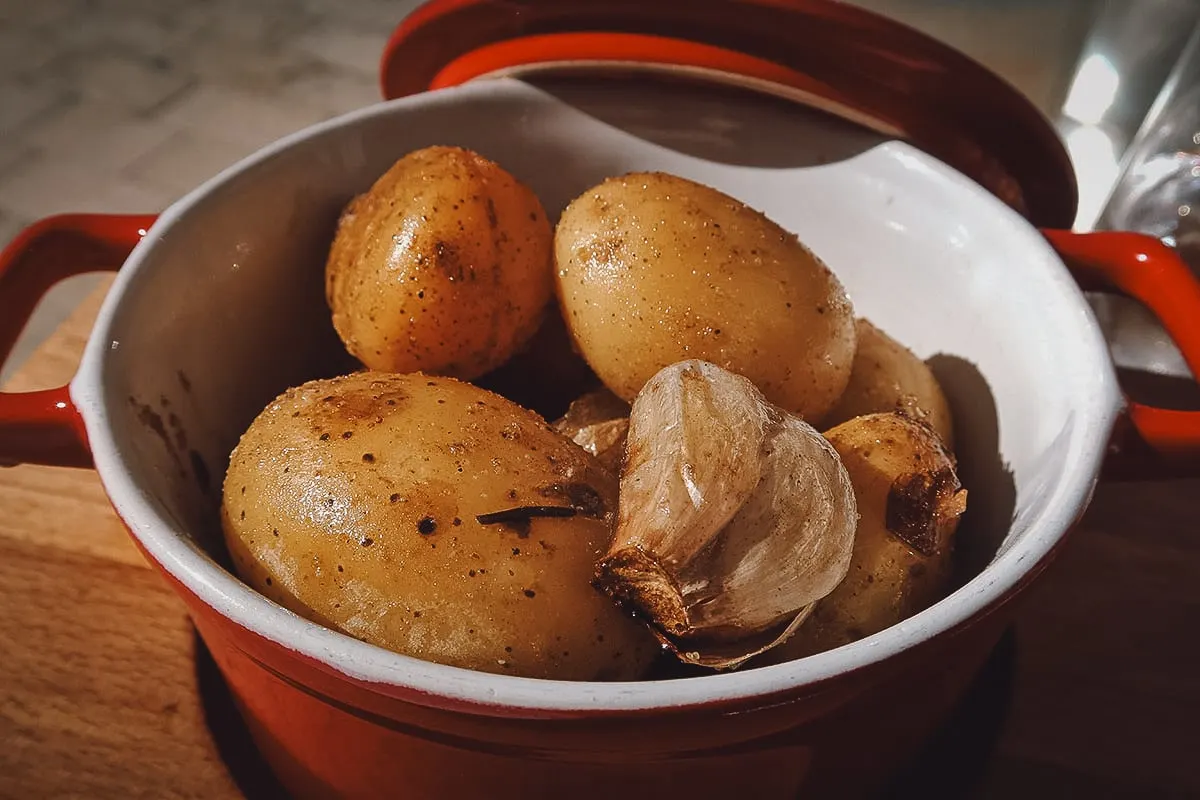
(1148, 442)
(44, 427)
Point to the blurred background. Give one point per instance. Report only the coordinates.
(124, 105)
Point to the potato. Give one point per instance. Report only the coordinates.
(653, 269)
(355, 502)
(887, 376)
(909, 501)
(442, 266)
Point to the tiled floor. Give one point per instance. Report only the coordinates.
(123, 105)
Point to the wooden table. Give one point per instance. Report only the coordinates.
(105, 692)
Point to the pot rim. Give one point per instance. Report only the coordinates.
(438, 685)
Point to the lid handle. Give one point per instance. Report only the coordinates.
(833, 55)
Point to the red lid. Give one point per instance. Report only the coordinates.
(827, 54)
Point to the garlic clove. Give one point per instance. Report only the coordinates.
(734, 516)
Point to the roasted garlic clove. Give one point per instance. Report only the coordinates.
(734, 516)
(598, 422)
(910, 501)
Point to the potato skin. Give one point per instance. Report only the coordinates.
(442, 266)
(887, 376)
(904, 477)
(653, 269)
(352, 501)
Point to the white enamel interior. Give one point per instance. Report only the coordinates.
(227, 290)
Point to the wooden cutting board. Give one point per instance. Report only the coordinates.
(105, 693)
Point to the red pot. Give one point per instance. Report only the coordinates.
(929, 208)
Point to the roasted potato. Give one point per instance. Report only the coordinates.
(442, 266)
(362, 503)
(887, 376)
(653, 269)
(909, 501)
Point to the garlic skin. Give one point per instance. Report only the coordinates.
(598, 422)
(734, 516)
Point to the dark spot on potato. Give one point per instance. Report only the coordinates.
(471, 573)
(921, 504)
(449, 261)
(417, 614)
(183, 381)
(368, 458)
(242, 515)
(347, 434)
(394, 498)
(456, 522)
(426, 526)
(490, 208)
(512, 494)
(391, 401)
(580, 496)
(274, 531)
(367, 541)
(529, 593)
(516, 551)
(431, 383)
(546, 545)
(508, 649)
(341, 568)
(269, 581)
(421, 295)
(243, 490)
(324, 437)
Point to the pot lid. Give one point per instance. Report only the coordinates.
(855, 64)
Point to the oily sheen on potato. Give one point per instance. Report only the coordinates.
(887, 376)
(356, 502)
(910, 502)
(442, 266)
(653, 269)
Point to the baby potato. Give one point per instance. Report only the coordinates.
(362, 503)
(909, 501)
(887, 376)
(653, 269)
(442, 266)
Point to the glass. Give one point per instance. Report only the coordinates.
(1158, 193)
